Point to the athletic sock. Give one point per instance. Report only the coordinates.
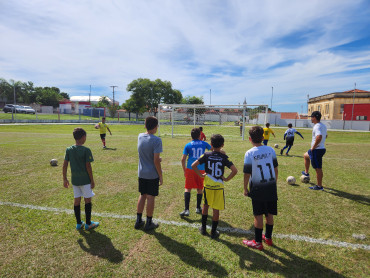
(288, 149)
(258, 234)
(139, 217)
(199, 200)
(214, 227)
(149, 220)
(204, 222)
(77, 210)
(103, 142)
(88, 208)
(269, 228)
(187, 200)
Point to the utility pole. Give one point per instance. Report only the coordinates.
(113, 93)
(210, 96)
(90, 94)
(272, 94)
(353, 104)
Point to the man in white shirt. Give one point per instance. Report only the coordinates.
(317, 150)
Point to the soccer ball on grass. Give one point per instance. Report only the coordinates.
(290, 180)
(305, 179)
(276, 146)
(54, 162)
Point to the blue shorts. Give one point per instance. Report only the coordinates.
(265, 142)
(316, 157)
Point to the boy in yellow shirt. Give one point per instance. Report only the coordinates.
(103, 130)
(266, 134)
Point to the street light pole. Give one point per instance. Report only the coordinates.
(210, 96)
(113, 92)
(353, 104)
(272, 94)
(90, 94)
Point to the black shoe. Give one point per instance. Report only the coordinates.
(281, 152)
(202, 232)
(185, 213)
(215, 235)
(138, 225)
(151, 226)
(198, 211)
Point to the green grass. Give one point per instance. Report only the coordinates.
(42, 243)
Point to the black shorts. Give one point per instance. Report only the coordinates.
(316, 157)
(102, 136)
(289, 141)
(264, 207)
(149, 186)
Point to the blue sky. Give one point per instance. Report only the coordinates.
(238, 49)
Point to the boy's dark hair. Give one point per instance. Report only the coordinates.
(268, 125)
(201, 128)
(256, 134)
(217, 140)
(290, 125)
(317, 115)
(78, 133)
(195, 133)
(151, 122)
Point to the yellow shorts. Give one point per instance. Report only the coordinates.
(213, 193)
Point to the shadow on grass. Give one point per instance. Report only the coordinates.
(190, 256)
(209, 221)
(289, 155)
(110, 149)
(289, 265)
(100, 245)
(357, 198)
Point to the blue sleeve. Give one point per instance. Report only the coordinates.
(158, 146)
(299, 134)
(208, 146)
(185, 152)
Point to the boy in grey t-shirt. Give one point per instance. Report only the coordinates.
(149, 148)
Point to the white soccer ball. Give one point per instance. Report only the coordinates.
(54, 162)
(305, 179)
(276, 146)
(290, 180)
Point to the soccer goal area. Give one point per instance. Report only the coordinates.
(228, 120)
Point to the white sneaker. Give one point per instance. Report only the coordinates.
(185, 213)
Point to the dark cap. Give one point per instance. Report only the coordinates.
(316, 114)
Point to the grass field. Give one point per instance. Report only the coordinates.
(40, 243)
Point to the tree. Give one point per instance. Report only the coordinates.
(131, 106)
(192, 100)
(148, 94)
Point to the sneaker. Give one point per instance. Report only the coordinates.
(79, 226)
(202, 232)
(215, 235)
(186, 212)
(287, 154)
(306, 174)
(267, 240)
(92, 226)
(151, 226)
(138, 225)
(104, 147)
(253, 244)
(316, 187)
(281, 152)
(198, 211)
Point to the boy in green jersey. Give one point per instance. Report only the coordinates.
(82, 177)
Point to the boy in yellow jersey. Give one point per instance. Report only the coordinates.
(266, 134)
(214, 179)
(103, 130)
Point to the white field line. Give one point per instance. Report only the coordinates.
(185, 224)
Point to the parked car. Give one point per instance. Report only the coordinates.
(10, 108)
(28, 110)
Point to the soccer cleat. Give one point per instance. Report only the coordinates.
(316, 187)
(305, 174)
(92, 226)
(253, 244)
(138, 225)
(268, 241)
(202, 231)
(281, 152)
(186, 212)
(215, 235)
(79, 226)
(104, 147)
(198, 211)
(151, 226)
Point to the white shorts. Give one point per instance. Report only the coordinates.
(83, 191)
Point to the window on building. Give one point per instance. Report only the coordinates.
(319, 108)
(326, 108)
(361, 118)
(341, 108)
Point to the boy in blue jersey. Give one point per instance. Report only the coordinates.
(214, 179)
(289, 137)
(193, 150)
(261, 172)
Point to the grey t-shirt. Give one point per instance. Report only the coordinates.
(147, 146)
